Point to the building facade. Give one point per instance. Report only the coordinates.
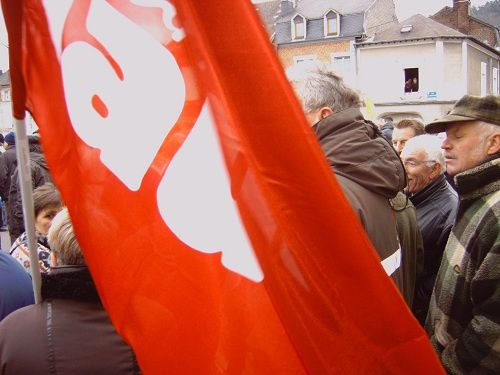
(325, 30)
(421, 66)
(459, 18)
(6, 119)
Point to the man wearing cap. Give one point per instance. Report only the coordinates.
(464, 314)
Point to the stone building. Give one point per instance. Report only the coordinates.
(458, 17)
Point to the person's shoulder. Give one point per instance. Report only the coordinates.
(22, 320)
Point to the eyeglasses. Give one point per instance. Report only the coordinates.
(415, 163)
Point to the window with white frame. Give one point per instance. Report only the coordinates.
(298, 27)
(5, 95)
(342, 64)
(332, 23)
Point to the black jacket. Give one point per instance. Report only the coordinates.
(436, 206)
(39, 176)
(68, 333)
(370, 173)
(411, 242)
(8, 163)
(387, 130)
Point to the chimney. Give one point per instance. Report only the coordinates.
(462, 9)
(286, 6)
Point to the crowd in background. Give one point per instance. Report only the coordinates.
(427, 196)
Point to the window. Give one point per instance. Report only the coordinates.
(304, 59)
(412, 81)
(483, 78)
(298, 27)
(406, 28)
(342, 64)
(5, 95)
(495, 81)
(331, 23)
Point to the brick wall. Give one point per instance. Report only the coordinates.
(447, 17)
(450, 17)
(321, 50)
(482, 33)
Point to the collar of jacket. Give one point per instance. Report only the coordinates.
(338, 120)
(439, 184)
(356, 150)
(479, 181)
(69, 282)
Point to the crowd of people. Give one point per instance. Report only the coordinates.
(427, 196)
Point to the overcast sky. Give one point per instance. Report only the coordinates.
(404, 9)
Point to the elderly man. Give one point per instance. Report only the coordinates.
(464, 315)
(366, 166)
(404, 130)
(436, 204)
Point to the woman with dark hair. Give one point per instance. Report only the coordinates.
(47, 203)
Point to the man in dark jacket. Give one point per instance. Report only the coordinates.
(16, 290)
(39, 176)
(464, 321)
(387, 128)
(69, 332)
(365, 165)
(8, 162)
(436, 203)
(411, 243)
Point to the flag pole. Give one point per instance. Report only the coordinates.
(24, 174)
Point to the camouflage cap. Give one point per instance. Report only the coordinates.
(469, 108)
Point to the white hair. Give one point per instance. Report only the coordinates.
(63, 241)
(316, 87)
(430, 144)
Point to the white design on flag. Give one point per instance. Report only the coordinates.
(57, 11)
(194, 199)
(168, 15)
(150, 97)
(392, 262)
(194, 196)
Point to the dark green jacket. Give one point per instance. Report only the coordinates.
(464, 315)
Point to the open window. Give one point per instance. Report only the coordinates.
(298, 27)
(332, 23)
(412, 80)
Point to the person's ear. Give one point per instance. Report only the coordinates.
(493, 144)
(324, 112)
(53, 259)
(436, 170)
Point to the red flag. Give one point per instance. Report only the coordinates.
(218, 239)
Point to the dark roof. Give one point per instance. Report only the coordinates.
(5, 79)
(422, 27)
(317, 8)
(268, 11)
(351, 26)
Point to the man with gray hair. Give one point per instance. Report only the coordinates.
(365, 165)
(464, 315)
(436, 204)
